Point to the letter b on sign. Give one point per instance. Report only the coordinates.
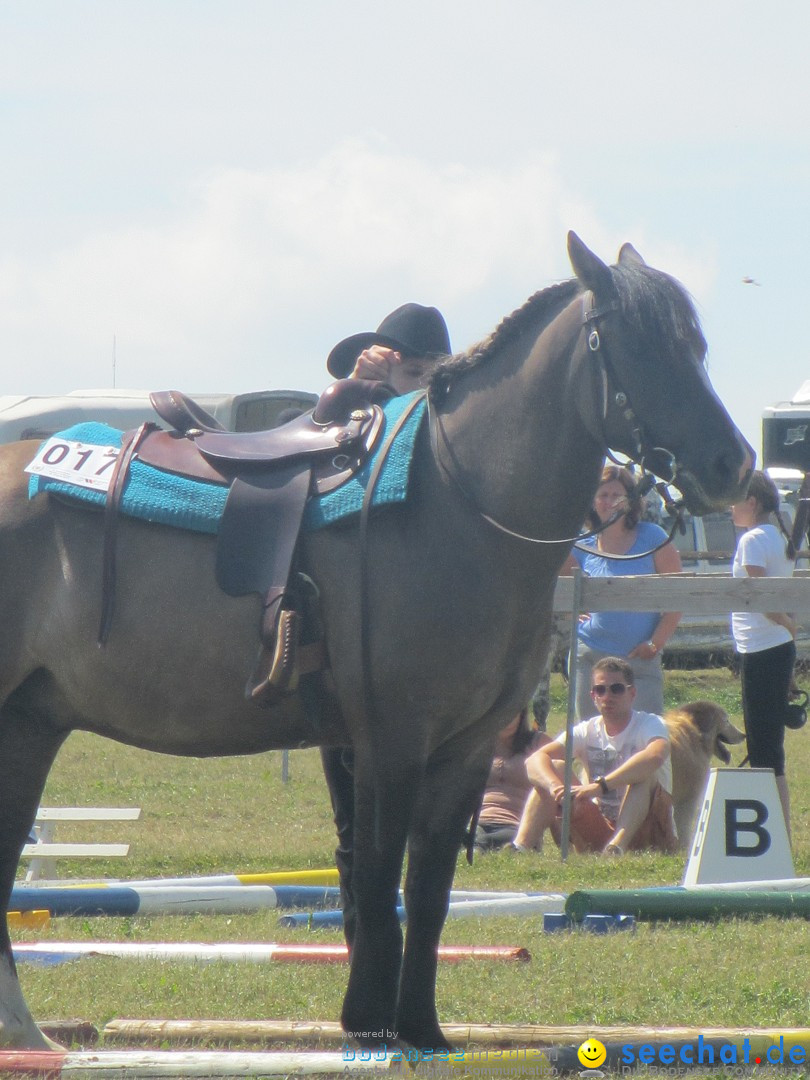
(745, 819)
(740, 834)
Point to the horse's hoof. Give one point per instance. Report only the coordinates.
(425, 1038)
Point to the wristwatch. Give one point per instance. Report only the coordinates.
(602, 782)
(653, 646)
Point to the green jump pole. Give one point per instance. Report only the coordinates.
(677, 903)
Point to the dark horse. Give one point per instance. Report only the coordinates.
(459, 602)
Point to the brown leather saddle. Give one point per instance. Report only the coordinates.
(270, 475)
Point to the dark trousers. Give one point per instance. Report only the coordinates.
(338, 768)
(765, 677)
(490, 837)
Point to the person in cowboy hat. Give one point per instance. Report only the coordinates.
(397, 352)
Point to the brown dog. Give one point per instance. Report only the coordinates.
(697, 730)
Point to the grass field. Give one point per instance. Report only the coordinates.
(235, 815)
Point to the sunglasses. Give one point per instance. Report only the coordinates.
(616, 688)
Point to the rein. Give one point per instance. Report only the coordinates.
(368, 697)
(439, 438)
(676, 524)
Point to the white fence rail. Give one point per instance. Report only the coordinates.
(705, 594)
(45, 852)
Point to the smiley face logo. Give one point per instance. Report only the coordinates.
(592, 1054)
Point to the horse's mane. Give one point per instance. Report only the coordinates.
(547, 303)
(656, 306)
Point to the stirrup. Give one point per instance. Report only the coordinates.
(276, 672)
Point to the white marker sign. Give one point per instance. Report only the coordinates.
(740, 833)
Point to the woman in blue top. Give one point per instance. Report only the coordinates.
(637, 636)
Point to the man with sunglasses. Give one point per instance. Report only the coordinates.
(624, 801)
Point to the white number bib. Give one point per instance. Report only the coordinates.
(82, 464)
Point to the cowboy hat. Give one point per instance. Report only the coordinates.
(412, 330)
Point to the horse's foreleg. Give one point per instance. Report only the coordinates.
(451, 794)
(383, 804)
(27, 750)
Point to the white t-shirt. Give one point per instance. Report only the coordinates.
(762, 546)
(601, 753)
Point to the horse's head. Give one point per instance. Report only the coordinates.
(642, 338)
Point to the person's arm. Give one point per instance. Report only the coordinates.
(641, 766)
(666, 561)
(542, 772)
(781, 618)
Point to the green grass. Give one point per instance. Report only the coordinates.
(226, 815)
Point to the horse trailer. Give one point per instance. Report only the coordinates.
(786, 432)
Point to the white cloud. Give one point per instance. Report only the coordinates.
(267, 254)
(253, 280)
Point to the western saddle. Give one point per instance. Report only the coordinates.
(270, 475)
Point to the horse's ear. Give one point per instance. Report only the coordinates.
(628, 256)
(589, 268)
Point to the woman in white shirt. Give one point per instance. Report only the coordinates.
(765, 642)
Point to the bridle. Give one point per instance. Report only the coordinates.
(641, 450)
(449, 464)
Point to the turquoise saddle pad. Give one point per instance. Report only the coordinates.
(158, 496)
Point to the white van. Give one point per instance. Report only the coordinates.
(39, 417)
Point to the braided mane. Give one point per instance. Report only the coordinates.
(657, 307)
(547, 303)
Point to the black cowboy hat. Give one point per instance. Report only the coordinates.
(412, 330)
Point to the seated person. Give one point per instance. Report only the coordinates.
(508, 785)
(624, 802)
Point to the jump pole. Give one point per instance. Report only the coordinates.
(170, 899)
(539, 904)
(679, 903)
(278, 881)
(168, 1063)
(225, 1063)
(275, 877)
(219, 899)
(330, 1032)
(53, 952)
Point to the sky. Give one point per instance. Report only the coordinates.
(209, 194)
